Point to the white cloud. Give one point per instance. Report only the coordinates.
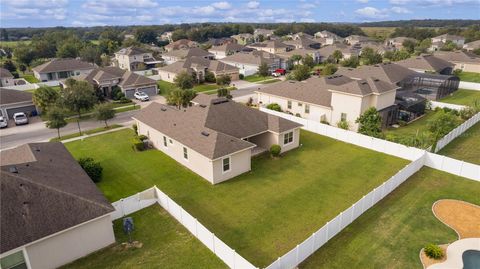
(400, 10)
(253, 4)
(222, 5)
(363, 1)
(434, 2)
(371, 13)
(307, 6)
(206, 10)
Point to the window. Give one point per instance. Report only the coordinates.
(307, 108)
(289, 104)
(226, 164)
(185, 153)
(13, 261)
(171, 141)
(287, 138)
(299, 104)
(165, 141)
(343, 117)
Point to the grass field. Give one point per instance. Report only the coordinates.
(263, 213)
(256, 78)
(13, 44)
(88, 132)
(391, 234)
(30, 78)
(469, 76)
(270, 81)
(466, 147)
(166, 244)
(463, 97)
(166, 87)
(378, 32)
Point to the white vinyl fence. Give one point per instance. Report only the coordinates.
(457, 132)
(302, 251)
(153, 195)
(452, 166)
(469, 85)
(436, 104)
(376, 144)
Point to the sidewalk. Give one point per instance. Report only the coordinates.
(95, 134)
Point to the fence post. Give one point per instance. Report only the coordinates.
(313, 245)
(121, 206)
(213, 243)
(234, 263)
(296, 255)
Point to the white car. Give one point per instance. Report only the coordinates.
(141, 96)
(3, 122)
(276, 74)
(20, 118)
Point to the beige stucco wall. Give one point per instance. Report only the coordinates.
(294, 144)
(265, 140)
(352, 105)
(167, 76)
(468, 67)
(72, 244)
(239, 163)
(383, 100)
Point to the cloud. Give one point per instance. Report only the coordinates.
(400, 10)
(206, 10)
(222, 5)
(253, 4)
(371, 13)
(307, 6)
(363, 1)
(437, 3)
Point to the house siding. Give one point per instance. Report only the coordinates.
(239, 163)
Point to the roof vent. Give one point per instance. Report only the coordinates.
(36, 149)
(202, 105)
(13, 169)
(220, 101)
(163, 109)
(204, 133)
(376, 79)
(364, 83)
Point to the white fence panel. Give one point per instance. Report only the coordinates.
(131, 204)
(469, 85)
(189, 222)
(205, 236)
(320, 237)
(289, 260)
(224, 252)
(452, 166)
(305, 249)
(470, 170)
(242, 263)
(457, 132)
(434, 160)
(175, 210)
(333, 227)
(118, 213)
(436, 104)
(347, 217)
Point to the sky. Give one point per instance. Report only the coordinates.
(48, 13)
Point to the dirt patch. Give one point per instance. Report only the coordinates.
(426, 261)
(461, 216)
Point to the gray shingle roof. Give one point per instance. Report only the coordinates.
(425, 62)
(58, 65)
(50, 193)
(389, 72)
(228, 47)
(457, 56)
(130, 51)
(4, 73)
(8, 96)
(225, 121)
(328, 50)
(189, 52)
(127, 78)
(253, 57)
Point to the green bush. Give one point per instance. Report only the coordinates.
(209, 77)
(241, 76)
(135, 128)
(325, 122)
(138, 144)
(433, 251)
(142, 137)
(92, 168)
(124, 100)
(467, 113)
(343, 124)
(275, 150)
(274, 106)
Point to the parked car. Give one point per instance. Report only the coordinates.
(279, 72)
(141, 96)
(3, 122)
(20, 118)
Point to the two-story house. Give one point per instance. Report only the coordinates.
(134, 58)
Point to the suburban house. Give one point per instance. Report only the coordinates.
(244, 39)
(286, 56)
(327, 38)
(471, 46)
(427, 64)
(303, 43)
(333, 99)
(52, 213)
(58, 69)
(166, 36)
(181, 44)
(347, 51)
(181, 54)
(356, 39)
(197, 66)
(248, 62)
(457, 40)
(134, 58)
(271, 46)
(299, 35)
(376, 46)
(107, 78)
(397, 42)
(216, 137)
(225, 50)
(6, 78)
(219, 41)
(430, 86)
(14, 101)
(464, 61)
(266, 33)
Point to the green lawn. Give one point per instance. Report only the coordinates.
(269, 81)
(466, 147)
(391, 234)
(166, 244)
(261, 214)
(166, 87)
(30, 78)
(463, 97)
(12, 44)
(470, 77)
(88, 132)
(205, 87)
(256, 78)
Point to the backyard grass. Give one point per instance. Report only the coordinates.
(261, 214)
(88, 132)
(166, 87)
(30, 78)
(269, 81)
(256, 78)
(466, 147)
(205, 87)
(469, 76)
(463, 97)
(391, 234)
(166, 244)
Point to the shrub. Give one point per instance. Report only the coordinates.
(457, 72)
(135, 128)
(343, 124)
(92, 168)
(467, 113)
(274, 106)
(241, 76)
(209, 77)
(275, 150)
(325, 122)
(138, 144)
(142, 137)
(124, 100)
(298, 115)
(433, 251)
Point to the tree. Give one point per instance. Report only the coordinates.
(184, 80)
(104, 112)
(353, 62)
(179, 97)
(91, 54)
(24, 54)
(45, 97)
(423, 46)
(67, 50)
(145, 35)
(400, 55)
(209, 76)
(301, 72)
(329, 69)
(4, 34)
(178, 34)
(56, 119)
(389, 55)
(79, 97)
(263, 70)
(370, 123)
(92, 168)
(10, 66)
(337, 55)
(371, 56)
(409, 45)
(448, 46)
(224, 92)
(441, 126)
(224, 80)
(296, 58)
(308, 61)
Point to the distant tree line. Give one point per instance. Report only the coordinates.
(471, 33)
(421, 23)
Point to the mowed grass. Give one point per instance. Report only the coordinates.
(391, 234)
(261, 214)
(166, 87)
(469, 76)
(463, 97)
(166, 244)
(466, 147)
(257, 78)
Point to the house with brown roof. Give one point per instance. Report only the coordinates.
(248, 62)
(244, 39)
(464, 61)
(327, 38)
(181, 54)
(216, 137)
(287, 56)
(266, 33)
(471, 46)
(181, 44)
(135, 58)
(347, 51)
(333, 99)
(225, 50)
(52, 213)
(271, 46)
(303, 43)
(6, 78)
(58, 69)
(197, 66)
(427, 64)
(457, 40)
(14, 101)
(106, 78)
(356, 39)
(397, 42)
